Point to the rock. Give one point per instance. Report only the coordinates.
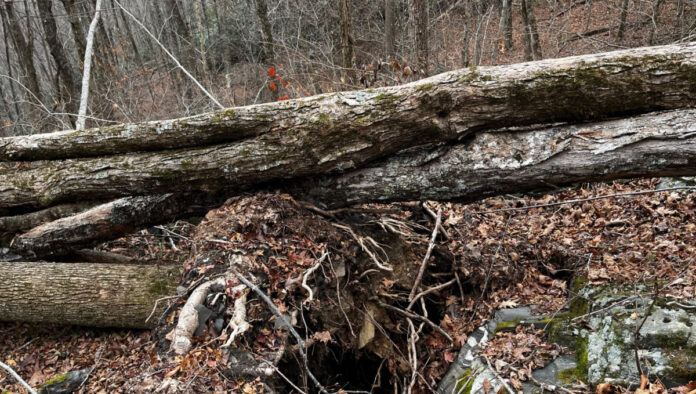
(65, 383)
(604, 343)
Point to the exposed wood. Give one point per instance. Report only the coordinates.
(17, 223)
(84, 294)
(105, 222)
(341, 131)
(495, 163)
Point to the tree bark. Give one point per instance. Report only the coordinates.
(67, 75)
(506, 21)
(85, 294)
(419, 21)
(24, 48)
(339, 132)
(106, 222)
(512, 161)
(389, 30)
(347, 41)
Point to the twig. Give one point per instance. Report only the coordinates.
(285, 323)
(636, 332)
(434, 216)
(497, 375)
(308, 273)
(424, 264)
(17, 377)
(416, 317)
(428, 291)
(154, 308)
(553, 204)
(191, 77)
(284, 377)
(338, 296)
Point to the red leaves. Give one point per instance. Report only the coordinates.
(271, 71)
(272, 86)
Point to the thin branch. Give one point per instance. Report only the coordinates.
(554, 204)
(428, 291)
(191, 77)
(414, 316)
(424, 264)
(17, 377)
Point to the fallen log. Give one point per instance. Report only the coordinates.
(500, 162)
(84, 294)
(106, 222)
(487, 164)
(341, 131)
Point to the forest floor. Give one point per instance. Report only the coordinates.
(502, 258)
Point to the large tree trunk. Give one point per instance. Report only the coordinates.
(338, 132)
(84, 294)
(513, 161)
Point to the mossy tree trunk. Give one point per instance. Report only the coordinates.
(84, 294)
(243, 147)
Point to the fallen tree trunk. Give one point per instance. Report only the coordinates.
(488, 164)
(495, 163)
(106, 222)
(341, 131)
(84, 294)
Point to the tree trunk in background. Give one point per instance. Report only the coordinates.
(100, 295)
(531, 29)
(419, 33)
(8, 64)
(526, 37)
(389, 30)
(622, 19)
(506, 21)
(239, 148)
(77, 31)
(347, 41)
(652, 19)
(268, 43)
(24, 50)
(201, 38)
(465, 58)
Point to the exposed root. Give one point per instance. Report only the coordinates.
(369, 246)
(238, 322)
(188, 319)
(308, 273)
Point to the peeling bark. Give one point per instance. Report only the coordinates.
(105, 222)
(84, 294)
(495, 163)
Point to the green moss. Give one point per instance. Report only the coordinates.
(682, 364)
(159, 287)
(506, 325)
(57, 380)
(425, 88)
(225, 114)
(465, 382)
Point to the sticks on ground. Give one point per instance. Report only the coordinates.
(424, 264)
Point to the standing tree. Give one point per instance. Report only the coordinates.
(419, 32)
(347, 40)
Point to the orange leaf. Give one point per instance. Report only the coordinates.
(272, 86)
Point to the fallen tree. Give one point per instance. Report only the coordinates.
(487, 164)
(340, 131)
(98, 295)
(452, 136)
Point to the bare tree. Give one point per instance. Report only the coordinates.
(84, 98)
(389, 29)
(23, 45)
(347, 40)
(419, 32)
